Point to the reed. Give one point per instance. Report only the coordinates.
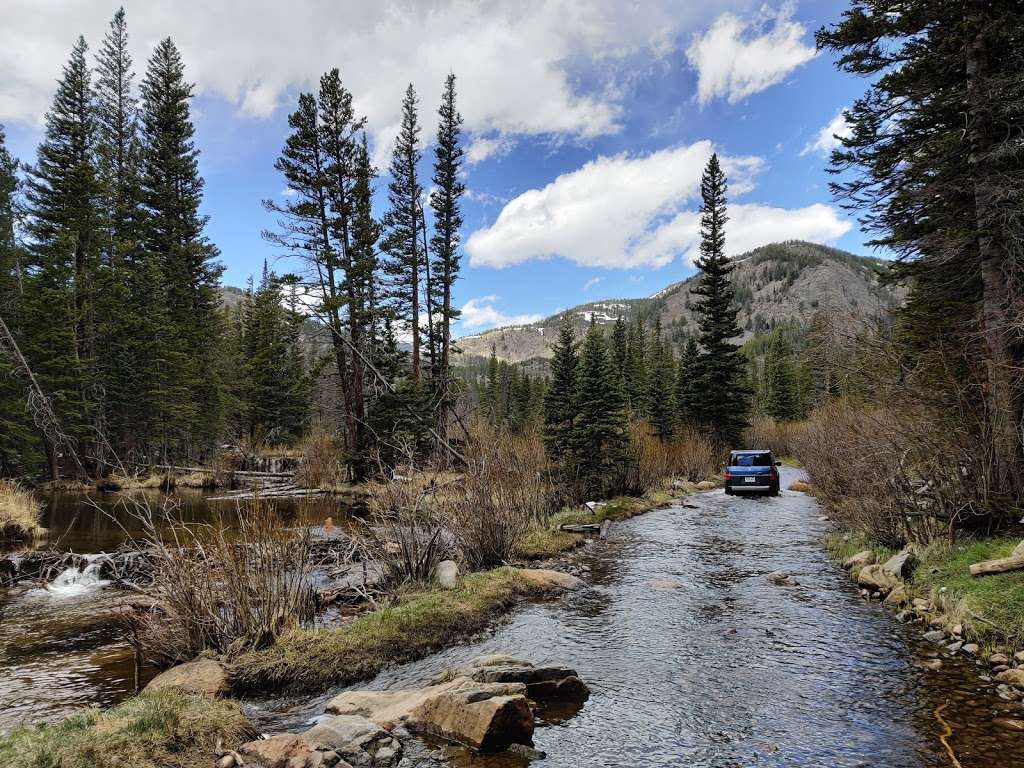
(19, 513)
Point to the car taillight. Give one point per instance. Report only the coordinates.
(774, 474)
(728, 475)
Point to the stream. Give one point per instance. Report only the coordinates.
(694, 658)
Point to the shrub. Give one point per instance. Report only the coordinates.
(692, 455)
(19, 513)
(776, 436)
(322, 461)
(229, 586)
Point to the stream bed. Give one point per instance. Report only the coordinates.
(694, 658)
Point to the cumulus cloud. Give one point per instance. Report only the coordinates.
(735, 58)
(828, 137)
(599, 215)
(518, 64)
(628, 212)
(481, 314)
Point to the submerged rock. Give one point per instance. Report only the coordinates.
(205, 677)
(549, 580)
(543, 683)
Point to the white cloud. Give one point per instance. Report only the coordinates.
(481, 314)
(750, 226)
(628, 212)
(591, 283)
(518, 64)
(288, 192)
(736, 58)
(483, 147)
(599, 215)
(826, 139)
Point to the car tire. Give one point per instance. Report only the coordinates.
(775, 489)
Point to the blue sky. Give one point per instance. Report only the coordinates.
(588, 123)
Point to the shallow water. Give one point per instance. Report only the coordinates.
(61, 647)
(694, 658)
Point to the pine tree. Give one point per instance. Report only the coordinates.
(125, 360)
(599, 438)
(17, 434)
(938, 175)
(560, 398)
(401, 224)
(725, 399)
(782, 403)
(444, 245)
(620, 351)
(636, 368)
(661, 407)
(688, 393)
(492, 391)
(59, 320)
(172, 190)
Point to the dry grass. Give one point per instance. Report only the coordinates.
(230, 586)
(19, 513)
(159, 730)
(419, 623)
(690, 456)
(323, 463)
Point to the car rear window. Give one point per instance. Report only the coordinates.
(751, 460)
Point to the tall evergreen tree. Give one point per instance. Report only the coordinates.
(444, 245)
(661, 407)
(782, 401)
(172, 191)
(636, 368)
(936, 147)
(560, 399)
(599, 438)
(492, 390)
(620, 351)
(59, 320)
(401, 224)
(688, 392)
(17, 433)
(725, 401)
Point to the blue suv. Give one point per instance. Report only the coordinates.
(752, 472)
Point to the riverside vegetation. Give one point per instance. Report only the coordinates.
(908, 421)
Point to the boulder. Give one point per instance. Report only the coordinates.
(475, 717)
(548, 580)
(971, 649)
(800, 485)
(935, 636)
(284, 751)
(781, 578)
(898, 595)
(1014, 677)
(998, 659)
(446, 573)
(921, 605)
(203, 676)
(706, 485)
(358, 741)
(877, 578)
(901, 565)
(859, 560)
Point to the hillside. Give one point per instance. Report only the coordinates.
(775, 284)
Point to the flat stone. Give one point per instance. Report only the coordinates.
(1000, 668)
(901, 564)
(897, 595)
(394, 706)
(553, 682)
(998, 658)
(475, 718)
(935, 636)
(549, 580)
(955, 646)
(358, 740)
(971, 649)
(283, 751)
(1013, 677)
(859, 560)
(205, 677)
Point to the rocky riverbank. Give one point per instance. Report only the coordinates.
(909, 583)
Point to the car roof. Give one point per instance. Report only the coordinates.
(749, 450)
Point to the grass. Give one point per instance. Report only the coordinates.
(159, 730)
(418, 624)
(990, 608)
(544, 541)
(19, 513)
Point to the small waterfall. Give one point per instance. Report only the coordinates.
(76, 581)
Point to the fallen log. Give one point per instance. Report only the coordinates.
(1000, 565)
(580, 527)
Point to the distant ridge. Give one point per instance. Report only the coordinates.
(775, 284)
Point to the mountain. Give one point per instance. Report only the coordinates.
(776, 284)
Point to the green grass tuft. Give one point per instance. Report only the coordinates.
(167, 729)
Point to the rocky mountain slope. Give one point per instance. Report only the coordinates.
(775, 284)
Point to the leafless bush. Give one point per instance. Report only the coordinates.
(692, 455)
(228, 586)
(776, 436)
(407, 531)
(322, 461)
